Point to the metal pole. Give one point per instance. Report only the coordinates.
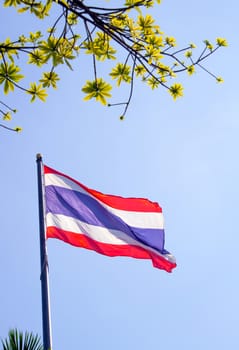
(46, 315)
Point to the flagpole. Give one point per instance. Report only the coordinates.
(46, 315)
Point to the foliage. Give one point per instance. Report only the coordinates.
(105, 34)
(19, 341)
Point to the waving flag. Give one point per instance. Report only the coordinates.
(110, 225)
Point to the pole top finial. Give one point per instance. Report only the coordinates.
(39, 156)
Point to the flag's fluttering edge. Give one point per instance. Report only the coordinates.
(110, 225)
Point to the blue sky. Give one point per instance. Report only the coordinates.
(182, 154)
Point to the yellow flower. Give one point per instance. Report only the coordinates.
(7, 116)
(188, 54)
(18, 129)
(191, 69)
(220, 80)
(222, 42)
(171, 41)
(176, 90)
(140, 70)
(208, 45)
(153, 83)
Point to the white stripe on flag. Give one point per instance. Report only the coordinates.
(97, 233)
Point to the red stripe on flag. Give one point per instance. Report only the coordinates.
(80, 240)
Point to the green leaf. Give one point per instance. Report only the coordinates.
(12, 3)
(18, 340)
(37, 91)
(97, 89)
(37, 57)
(9, 75)
(49, 79)
(121, 72)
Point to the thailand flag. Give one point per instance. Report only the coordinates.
(110, 225)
